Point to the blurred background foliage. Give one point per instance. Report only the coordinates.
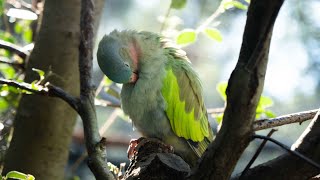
(211, 34)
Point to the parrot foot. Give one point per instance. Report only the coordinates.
(136, 144)
(132, 147)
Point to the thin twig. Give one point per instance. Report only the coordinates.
(104, 103)
(215, 110)
(214, 15)
(256, 154)
(14, 48)
(283, 120)
(165, 19)
(12, 63)
(46, 90)
(296, 153)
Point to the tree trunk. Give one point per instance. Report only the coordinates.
(43, 126)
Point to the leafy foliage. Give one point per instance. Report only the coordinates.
(262, 108)
(17, 175)
(228, 4)
(213, 33)
(186, 36)
(178, 4)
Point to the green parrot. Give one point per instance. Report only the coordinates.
(161, 93)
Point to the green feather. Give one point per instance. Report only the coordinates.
(186, 117)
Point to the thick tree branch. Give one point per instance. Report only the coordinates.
(14, 48)
(288, 166)
(243, 93)
(283, 120)
(95, 145)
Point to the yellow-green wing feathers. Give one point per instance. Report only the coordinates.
(184, 118)
(184, 102)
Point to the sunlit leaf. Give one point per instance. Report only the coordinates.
(19, 175)
(221, 88)
(18, 28)
(27, 35)
(269, 114)
(3, 104)
(186, 36)
(22, 14)
(219, 118)
(7, 37)
(1, 7)
(40, 72)
(248, 1)
(4, 90)
(178, 4)
(213, 33)
(7, 71)
(265, 102)
(107, 81)
(236, 4)
(34, 85)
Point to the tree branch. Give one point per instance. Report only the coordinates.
(243, 93)
(95, 145)
(47, 90)
(256, 154)
(283, 120)
(14, 48)
(16, 64)
(288, 166)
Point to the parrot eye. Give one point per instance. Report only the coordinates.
(126, 64)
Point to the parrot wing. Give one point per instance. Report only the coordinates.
(185, 108)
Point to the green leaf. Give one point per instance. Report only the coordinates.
(219, 118)
(265, 102)
(18, 28)
(221, 88)
(1, 7)
(19, 175)
(34, 85)
(7, 70)
(4, 90)
(3, 104)
(213, 33)
(7, 37)
(236, 4)
(40, 72)
(178, 4)
(27, 35)
(186, 36)
(107, 81)
(248, 1)
(269, 114)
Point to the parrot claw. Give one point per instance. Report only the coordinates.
(135, 144)
(132, 147)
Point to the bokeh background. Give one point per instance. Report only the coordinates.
(292, 80)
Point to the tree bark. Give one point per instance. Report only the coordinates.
(244, 89)
(43, 126)
(288, 166)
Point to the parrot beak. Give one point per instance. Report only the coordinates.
(134, 77)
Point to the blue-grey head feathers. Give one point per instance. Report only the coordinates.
(110, 61)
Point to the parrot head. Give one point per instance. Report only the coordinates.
(120, 54)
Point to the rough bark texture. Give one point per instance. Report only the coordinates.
(43, 126)
(288, 166)
(243, 93)
(153, 159)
